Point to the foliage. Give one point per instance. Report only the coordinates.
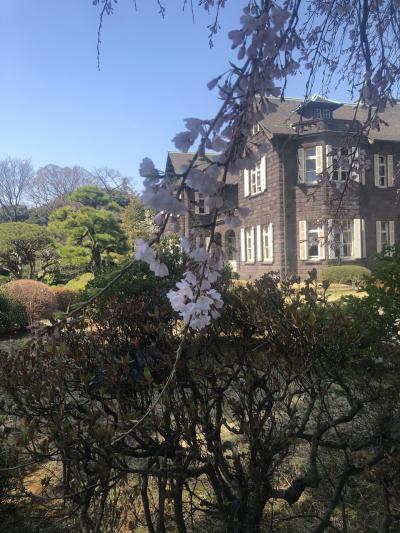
(37, 298)
(139, 278)
(73, 262)
(12, 314)
(65, 298)
(280, 415)
(137, 220)
(79, 283)
(22, 214)
(346, 274)
(26, 250)
(95, 197)
(88, 226)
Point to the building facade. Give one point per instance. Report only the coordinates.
(323, 193)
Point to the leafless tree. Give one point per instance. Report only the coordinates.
(15, 176)
(53, 184)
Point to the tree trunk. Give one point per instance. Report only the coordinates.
(96, 259)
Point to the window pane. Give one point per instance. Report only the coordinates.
(266, 244)
(311, 164)
(311, 152)
(249, 244)
(312, 240)
(385, 234)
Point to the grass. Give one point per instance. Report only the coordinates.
(13, 343)
(79, 283)
(335, 292)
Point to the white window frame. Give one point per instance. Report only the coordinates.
(336, 168)
(255, 179)
(304, 231)
(320, 112)
(265, 243)
(200, 207)
(339, 239)
(312, 228)
(255, 128)
(388, 231)
(383, 171)
(302, 163)
(249, 245)
(310, 158)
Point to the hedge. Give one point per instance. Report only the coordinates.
(346, 274)
(12, 314)
(37, 298)
(65, 297)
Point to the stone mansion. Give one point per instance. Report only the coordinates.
(289, 199)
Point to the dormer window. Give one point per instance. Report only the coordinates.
(322, 112)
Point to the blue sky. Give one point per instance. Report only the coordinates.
(56, 107)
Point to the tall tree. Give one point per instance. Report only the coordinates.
(26, 250)
(52, 185)
(90, 222)
(15, 178)
(116, 185)
(137, 220)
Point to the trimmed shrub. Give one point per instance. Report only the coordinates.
(346, 274)
(12, 314)
(37, 298)
(65, 298)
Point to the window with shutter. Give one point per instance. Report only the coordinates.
(341, 164)
(310, 164)
(255, 178)
(342, 240)
(310, 173)
(267, 243)
(312, 240)
(384, 235)
(383, 170)
(249, 244)
(200, 207)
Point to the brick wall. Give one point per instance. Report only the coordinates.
(285, 202)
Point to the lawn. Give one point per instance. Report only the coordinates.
(335, 292)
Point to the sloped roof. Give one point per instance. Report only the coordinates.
(180, 160)
(283, 115)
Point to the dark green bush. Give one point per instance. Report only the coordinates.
(346, 274)
(139, 278)
(12, 314)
